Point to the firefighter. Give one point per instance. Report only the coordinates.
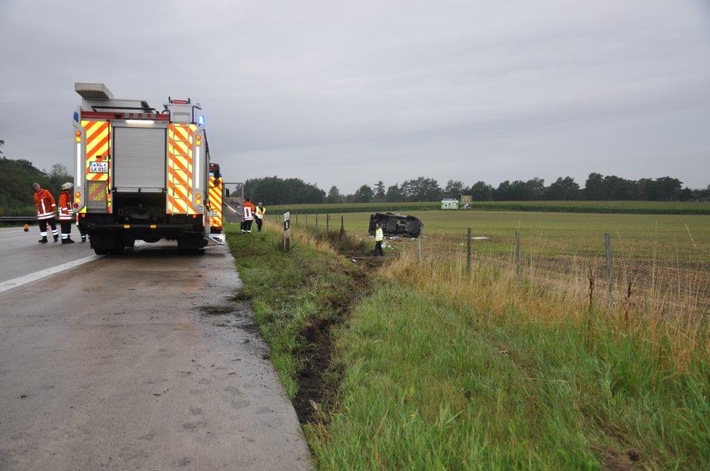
(247, 215)
(44, 201)
(259, 215)
(65, 212)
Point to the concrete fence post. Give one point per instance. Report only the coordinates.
(609, 274)
(468, 252)
(517, 255)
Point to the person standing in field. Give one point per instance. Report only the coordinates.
(379, 237)
(247, 215)
(46, 205)
(259, 215)
(65, 212)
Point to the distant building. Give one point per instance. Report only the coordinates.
(449, 203)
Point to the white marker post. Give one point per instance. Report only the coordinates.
(287, 232)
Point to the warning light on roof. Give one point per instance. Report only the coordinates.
(201, 119)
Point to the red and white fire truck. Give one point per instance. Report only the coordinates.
(143, 174)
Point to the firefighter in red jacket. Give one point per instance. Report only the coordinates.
(65, 212)
(247, 215)
(44, 201)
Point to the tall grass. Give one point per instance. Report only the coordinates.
(448, 371)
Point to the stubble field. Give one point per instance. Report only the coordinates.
(658, 261)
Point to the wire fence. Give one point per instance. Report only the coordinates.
(605, 270)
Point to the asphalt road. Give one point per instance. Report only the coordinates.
(143, 361)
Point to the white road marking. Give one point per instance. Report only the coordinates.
(32, 277)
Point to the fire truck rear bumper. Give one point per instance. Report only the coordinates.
(145, 231)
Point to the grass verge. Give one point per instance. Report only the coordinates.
(298, 298)
(435, 370)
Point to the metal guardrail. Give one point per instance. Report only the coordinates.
(18, 219)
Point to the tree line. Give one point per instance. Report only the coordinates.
(274, 190)
(16, 178)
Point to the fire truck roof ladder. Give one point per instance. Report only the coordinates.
(97, 97)
(93, 91)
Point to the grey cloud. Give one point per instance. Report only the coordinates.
(348, 93)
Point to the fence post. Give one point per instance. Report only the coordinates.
(342, 229)
(517, 255)
(316, 222)
(419, 242)
(327, 224)
(468, 252)
(609, 277)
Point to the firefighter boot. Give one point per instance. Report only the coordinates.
(83, 238)
(67, 241)
(43, 240)
(56, 238)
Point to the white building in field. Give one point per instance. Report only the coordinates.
(449, 203)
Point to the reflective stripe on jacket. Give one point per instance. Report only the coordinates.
(65, 206)
(248, 211)
(44, 201)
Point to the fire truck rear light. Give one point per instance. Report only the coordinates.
(153, 226)
(76, 205)
(77, 194)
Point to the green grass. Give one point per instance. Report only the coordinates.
(289, 292)
(433, 386)
(680, 238)
(603, 207)
(444, 371)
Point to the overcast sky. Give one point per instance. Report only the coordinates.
(351, 93)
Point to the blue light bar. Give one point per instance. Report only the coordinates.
(201, 119)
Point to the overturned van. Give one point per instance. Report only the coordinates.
(396, 225)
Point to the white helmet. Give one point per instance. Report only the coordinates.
(67, 185)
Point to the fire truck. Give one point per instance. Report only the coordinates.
(143, 174)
